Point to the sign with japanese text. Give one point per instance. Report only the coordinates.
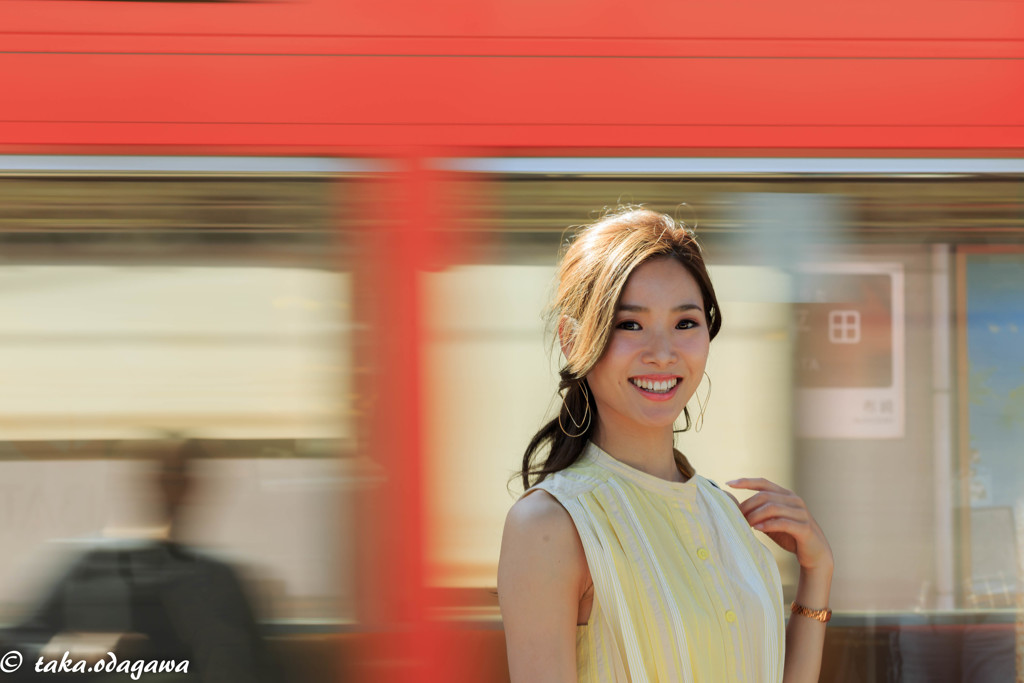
(849, 343)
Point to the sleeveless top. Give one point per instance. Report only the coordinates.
(683, 590)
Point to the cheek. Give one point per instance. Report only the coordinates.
(700, 342)
(615, 354)
(613, 366)
(696, 349)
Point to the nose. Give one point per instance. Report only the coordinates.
(660, 350)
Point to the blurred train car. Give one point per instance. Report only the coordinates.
(318, 236)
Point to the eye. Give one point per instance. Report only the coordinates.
(687, 324)
(628, 325)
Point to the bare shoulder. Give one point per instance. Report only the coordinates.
(539, 511)
(537, 524)
(541, 550)
(541, 576)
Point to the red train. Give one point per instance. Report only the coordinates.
(419, 89)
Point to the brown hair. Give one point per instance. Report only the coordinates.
(591, 276)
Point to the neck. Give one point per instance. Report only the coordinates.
(649, 450)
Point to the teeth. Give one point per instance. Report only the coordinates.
(656, 387)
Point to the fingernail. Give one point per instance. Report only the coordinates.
(731, 482)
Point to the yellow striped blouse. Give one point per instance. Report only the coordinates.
(683, 591)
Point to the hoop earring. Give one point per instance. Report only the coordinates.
(699, 422)
(584, 424)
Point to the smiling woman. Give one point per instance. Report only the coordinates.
(592, 275)
(655, 356)
(620, 562)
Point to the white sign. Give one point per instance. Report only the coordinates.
(850, 351)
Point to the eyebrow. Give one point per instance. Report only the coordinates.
(633, 308)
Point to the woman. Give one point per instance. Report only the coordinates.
(620, 563)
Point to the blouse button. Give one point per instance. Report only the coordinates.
(703, 553)
(730, 616)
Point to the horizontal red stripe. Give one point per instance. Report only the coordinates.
(480, 46)
(899, 19)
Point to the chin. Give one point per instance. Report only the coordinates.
(661, 422)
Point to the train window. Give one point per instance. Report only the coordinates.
(214, 305)
(868, 360)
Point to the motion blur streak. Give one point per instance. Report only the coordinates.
(317, 236)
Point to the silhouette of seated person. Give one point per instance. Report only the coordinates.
(150, 598)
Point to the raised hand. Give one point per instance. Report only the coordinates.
(784, 517)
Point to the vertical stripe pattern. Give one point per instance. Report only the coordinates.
(683, 591)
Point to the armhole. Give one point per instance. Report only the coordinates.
(540, 487)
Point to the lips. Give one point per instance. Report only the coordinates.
(656, 388)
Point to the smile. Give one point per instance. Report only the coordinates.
(655, 387)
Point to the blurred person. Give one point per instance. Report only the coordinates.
(144, 596)
(619, 562)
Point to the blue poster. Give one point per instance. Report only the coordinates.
(995, 350)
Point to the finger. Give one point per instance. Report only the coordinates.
(766, 497)
(797, 537)
(771, 511)
(756, 484)
(797, 529)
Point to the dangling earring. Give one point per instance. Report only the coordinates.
(584, 424)
(699, 423)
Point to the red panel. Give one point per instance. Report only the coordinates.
(359, 102)
(484, 46)
(357, 78)
(687, 19)
(375, 140)
(392, 595)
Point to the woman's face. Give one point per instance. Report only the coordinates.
(657, 352)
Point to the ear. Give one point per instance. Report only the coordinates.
(566, 331)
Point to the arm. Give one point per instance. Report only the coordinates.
(784, 517)
(805, 637)
(541, 573)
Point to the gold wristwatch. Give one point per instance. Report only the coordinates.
(822, 615)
